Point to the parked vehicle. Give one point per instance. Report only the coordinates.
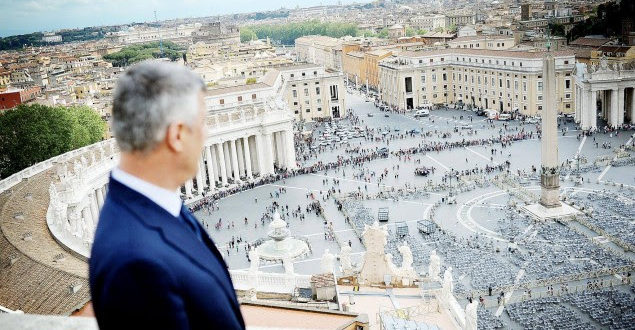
(504, 117)
(422, 113)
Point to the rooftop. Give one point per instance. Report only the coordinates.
(482, 52)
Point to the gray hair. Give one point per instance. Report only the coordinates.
(148, 98)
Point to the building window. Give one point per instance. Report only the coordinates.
(408, 82)
(222, 101)
(307, 110)
(540, 86)
(333, 90)
(295, 103)
(317, 90)
(295, 93)
(240, 99)
(567, 96)
(306, 92)
(253, 96)
(567, 84)
(319, 109)
(296, 112)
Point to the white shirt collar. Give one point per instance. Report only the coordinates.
(166, 199)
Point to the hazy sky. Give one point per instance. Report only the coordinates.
(25, 16)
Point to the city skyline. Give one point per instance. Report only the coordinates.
(50, 15)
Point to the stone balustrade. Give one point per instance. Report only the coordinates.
(269, 282)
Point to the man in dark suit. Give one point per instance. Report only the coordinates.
(152, 264)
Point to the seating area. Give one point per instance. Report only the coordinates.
(487, 320)
(611, 213)
(390, 322)
(558, 251)
(546, 313)
(611, 308)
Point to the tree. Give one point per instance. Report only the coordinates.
(251, 81)
(421, 32)
(367, 33)
(32, 133)
(137, 53)
(556, 29)
(246, 34)
(288, 32)
(383, 33)
(410, 32)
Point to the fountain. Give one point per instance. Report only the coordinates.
(281, 246)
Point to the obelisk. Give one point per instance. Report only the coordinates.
(550, 174)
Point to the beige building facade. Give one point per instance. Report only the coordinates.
(313, 92)
(322, 50)
(483, 42)
(505, 81)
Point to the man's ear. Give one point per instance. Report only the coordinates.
(174, 137)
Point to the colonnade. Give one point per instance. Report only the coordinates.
(616, 105)
(239, 159)
(84, 216)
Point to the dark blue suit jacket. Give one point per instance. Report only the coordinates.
(148, 270)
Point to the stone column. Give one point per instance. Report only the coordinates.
(280, 149)
(228, 158)
(94, 209)
(290, 149)
(620, 106)
(100, 197)
(234, 160)
(221, 162)
(613, 110)
(202, 183)
(578, 103)
(550, 173)
(85, 219)
(199, 178)
(247, 157)
(603, 98)
(260, 154)
(241, 159)
(592, 118)
(632, 105)
(188, 188)
(269, 153)
(210, 167)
